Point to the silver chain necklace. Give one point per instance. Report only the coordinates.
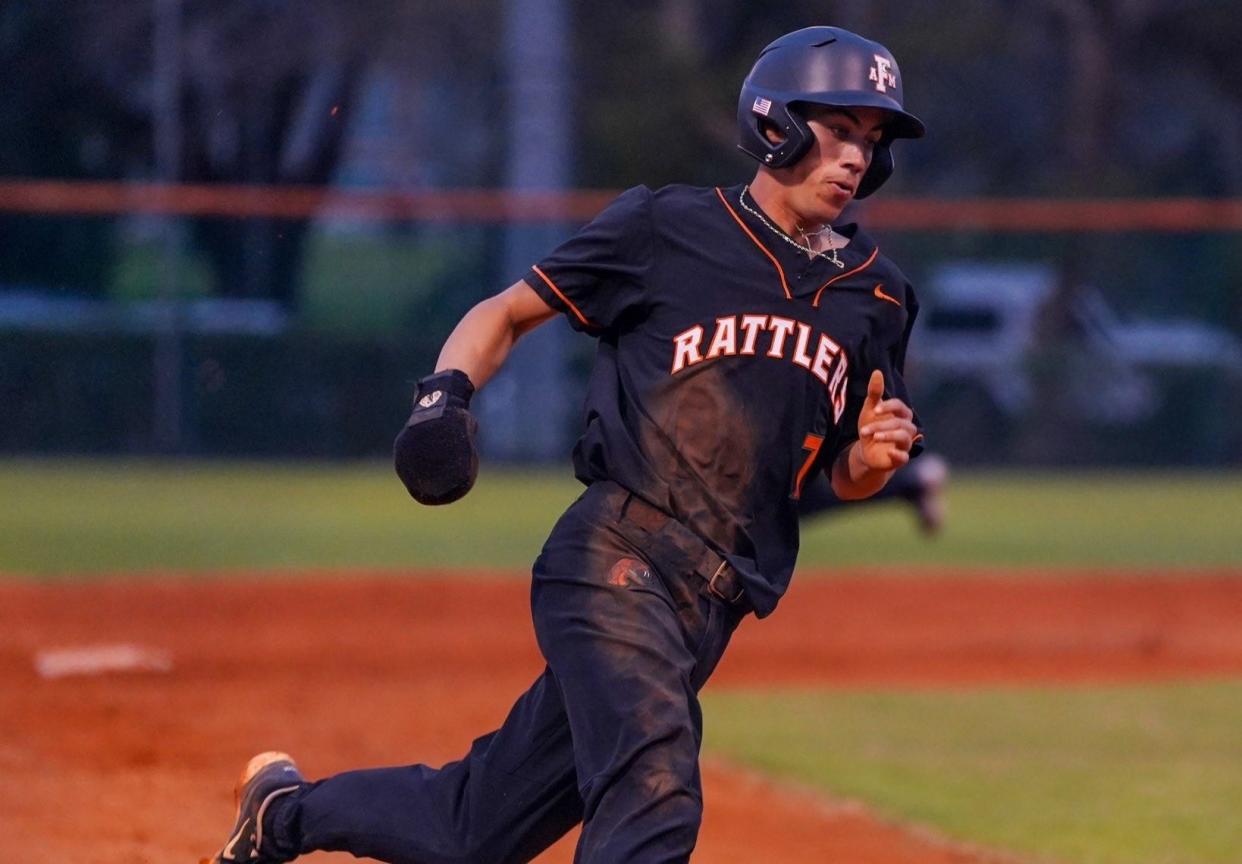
(830, 255)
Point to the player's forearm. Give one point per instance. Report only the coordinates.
(852, 479)
(480, 342)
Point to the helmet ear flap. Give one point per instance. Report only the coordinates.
(880, 169)
(796, 136)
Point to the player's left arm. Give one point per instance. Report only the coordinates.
(886, 434)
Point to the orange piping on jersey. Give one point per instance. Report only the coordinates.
(879, 292)
(755, 240)
(861, 267)
(557, 291)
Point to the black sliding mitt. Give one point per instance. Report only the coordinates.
(435, 454)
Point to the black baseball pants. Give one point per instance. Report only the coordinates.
(608, 735)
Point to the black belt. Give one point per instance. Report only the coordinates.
(719, 577)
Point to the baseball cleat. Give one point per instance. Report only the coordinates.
(265, 778)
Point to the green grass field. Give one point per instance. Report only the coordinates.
(1141, 775)
(1118, 775)
(71, 518)
(86, 517)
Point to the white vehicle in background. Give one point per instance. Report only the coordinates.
(983, 355)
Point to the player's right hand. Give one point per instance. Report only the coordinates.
(435, 454)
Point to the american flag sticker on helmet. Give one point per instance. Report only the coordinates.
(762, 106)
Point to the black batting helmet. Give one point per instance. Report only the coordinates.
(821, 66)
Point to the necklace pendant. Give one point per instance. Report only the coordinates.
(830, 255)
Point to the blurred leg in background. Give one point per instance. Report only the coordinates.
(920, 484)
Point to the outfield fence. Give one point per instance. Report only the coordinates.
(291, 320)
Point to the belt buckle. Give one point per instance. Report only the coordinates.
(714, 590)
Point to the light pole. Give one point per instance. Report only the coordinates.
(525, 408)
(167, 361)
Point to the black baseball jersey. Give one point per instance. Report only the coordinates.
(731, 365)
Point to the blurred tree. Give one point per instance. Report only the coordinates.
(265, 98)
(269, 92)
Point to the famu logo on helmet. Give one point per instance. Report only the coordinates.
(821, 66)
(882, 74)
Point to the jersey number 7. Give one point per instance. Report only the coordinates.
(811, 444)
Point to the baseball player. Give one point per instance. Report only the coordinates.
(745, 345)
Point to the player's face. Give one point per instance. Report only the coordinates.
(826, 179)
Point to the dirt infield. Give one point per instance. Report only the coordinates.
(347, 670)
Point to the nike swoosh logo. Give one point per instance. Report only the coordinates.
(227, 854)
(879, 292)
